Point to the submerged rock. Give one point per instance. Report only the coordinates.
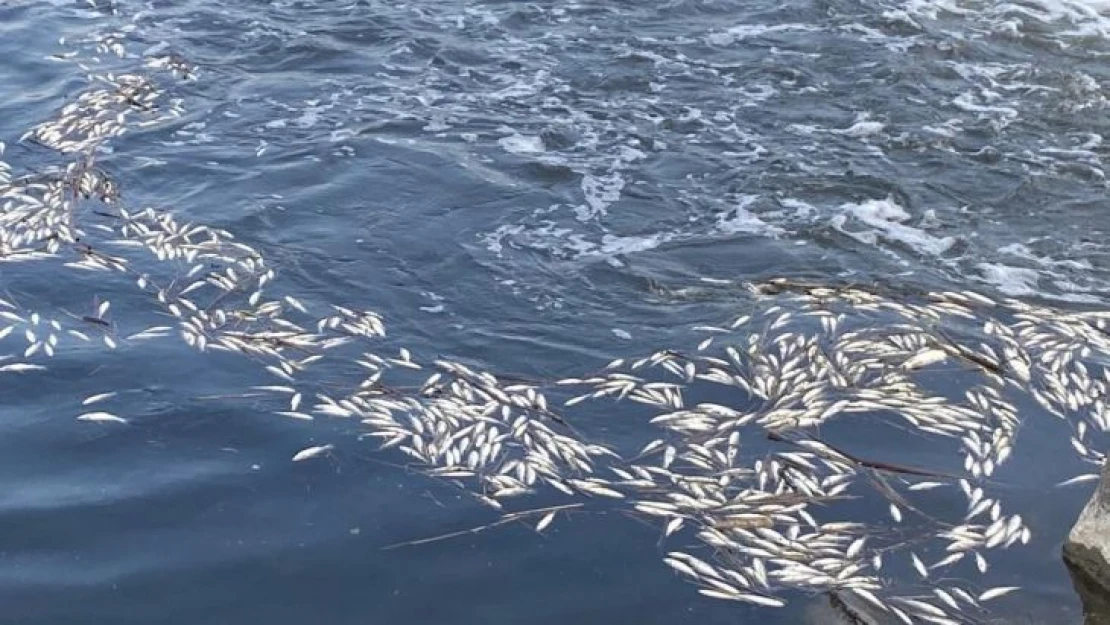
(1094, 595)
(1087, 552)
(844, 609)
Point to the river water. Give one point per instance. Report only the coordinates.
(537, 188)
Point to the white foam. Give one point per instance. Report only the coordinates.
(744, 31)
(436, 124)
(613, 244)
(521, 144)
(308, 118)
(864, 129)
(886, 219)
(1090, 17)
(495, 241)
(756, 94)
(742, 220)
(565, 243)
(879, 213)
(864, 126)
(800, 207)
(1074, 292)
(1022, 251)
(600, 191)
(1015, 281)
(1084, 17)
(546, 237)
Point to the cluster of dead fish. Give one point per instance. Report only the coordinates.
(746, 471)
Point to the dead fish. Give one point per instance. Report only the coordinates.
(101, 417)
(312, 452)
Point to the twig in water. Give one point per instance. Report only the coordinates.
(508, 518)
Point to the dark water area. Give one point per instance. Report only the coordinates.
(534, 188)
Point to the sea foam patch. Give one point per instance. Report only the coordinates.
(887, 221)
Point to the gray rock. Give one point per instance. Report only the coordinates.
(1087, 552)
(1095, 597)
(844, 609)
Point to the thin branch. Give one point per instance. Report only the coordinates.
(508, 518)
